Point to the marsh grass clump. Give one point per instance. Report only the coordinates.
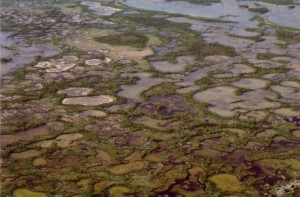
(163, 89)
(260, 10)
(6, 60)
(226, 182)
(157, 23)
(266, 56)
(240, 91)
(288, 35)
(243, 6)
(201, 49)
(19, 75)
(124, 39)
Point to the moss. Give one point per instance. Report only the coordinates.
(123, 39)
(227, 182)
(28, 193)
(127, 168)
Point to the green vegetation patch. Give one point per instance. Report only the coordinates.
(201, 49)
(127, 168)
(226, 182)
(260, 10)
(267, 56)
(158, 23)
(124, 39)
(163, 89)
(28, 193)
(288, 35)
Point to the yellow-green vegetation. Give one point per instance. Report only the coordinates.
(227, 182)
(26, 154)
(124, 39)
(118, 191)
(293, 163)
(127, 168)
(27, 193)
(39, 162)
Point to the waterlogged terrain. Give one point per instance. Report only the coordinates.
(150, 98)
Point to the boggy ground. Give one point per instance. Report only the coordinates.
(165, 112)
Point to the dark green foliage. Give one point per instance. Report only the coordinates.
(260, 10)
(130, 38)
(157, 23)
(201, 49)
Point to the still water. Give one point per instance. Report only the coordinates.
(280, 15)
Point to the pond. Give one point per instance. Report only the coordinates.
(18, 53)
(226, 10)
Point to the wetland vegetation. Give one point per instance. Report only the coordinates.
(131, 98)
(124, 39)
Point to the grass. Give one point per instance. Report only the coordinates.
(243, 6)
(124, 39)
(25, 192)
(258, 19)
(148, 21)
(240, 91)
(266, 56)
(193, 44)
(260, 10)
(288, 35)
(162, 89)
(201, 49)
(227, 182)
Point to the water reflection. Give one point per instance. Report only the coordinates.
(15, 53)
(227, 10)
